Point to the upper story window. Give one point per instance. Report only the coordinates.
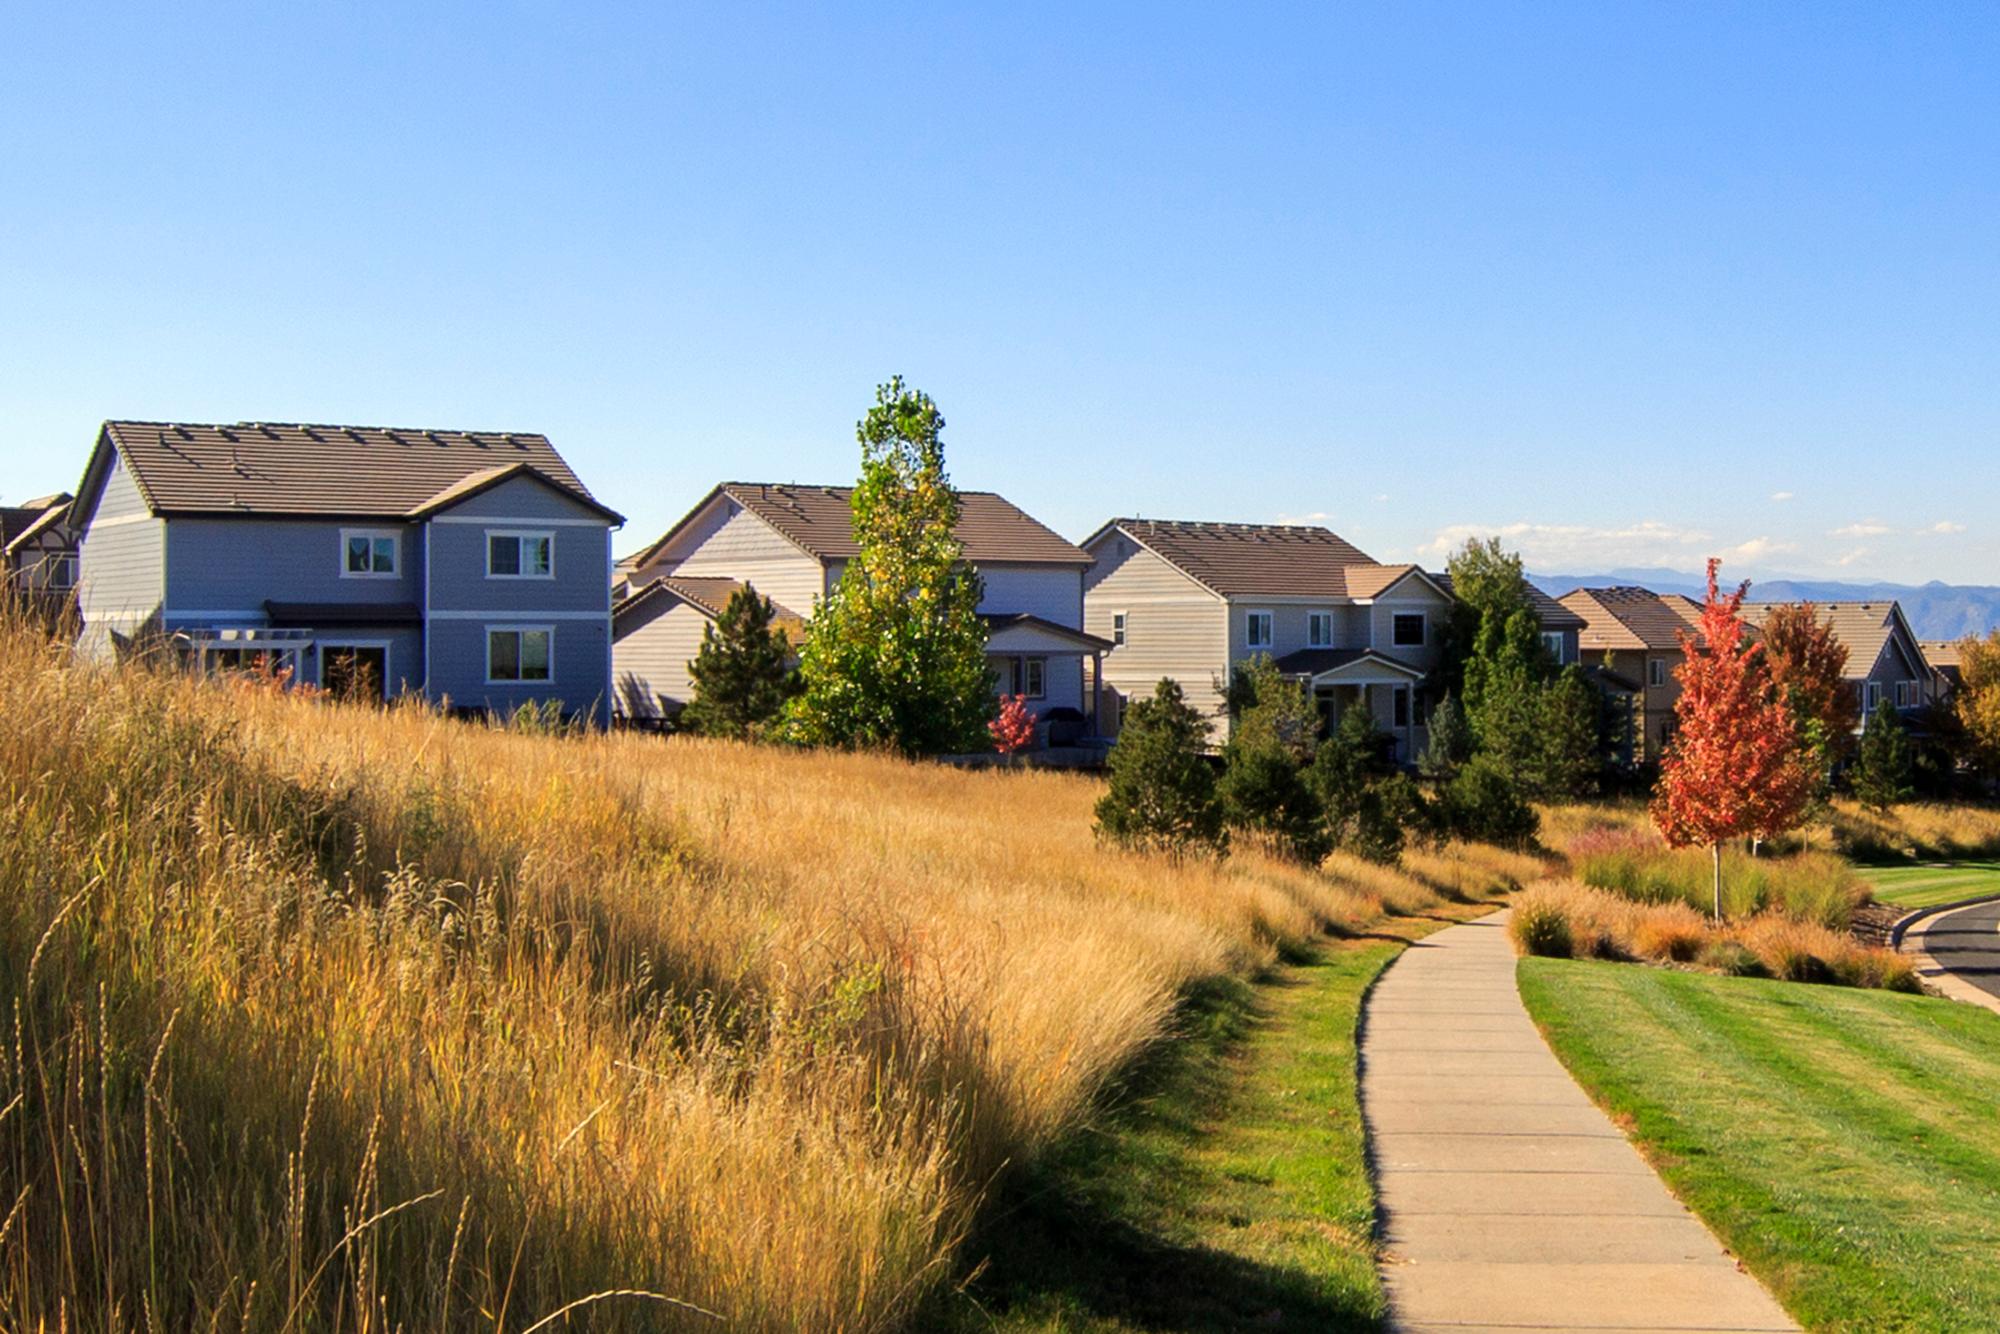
(1552, 640)
(60, 572)
(1656, 672)
(1902, 694)
(1117, 627)
(520, 555)
(370, 553)
(1319, 629)
(1257, 629)
(1408, 629)
(1871, 695)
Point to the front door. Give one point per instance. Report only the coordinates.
(355, 672)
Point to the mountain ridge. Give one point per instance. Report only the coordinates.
(1936, 610)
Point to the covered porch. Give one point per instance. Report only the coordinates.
(1343, 679)
(1044, 662)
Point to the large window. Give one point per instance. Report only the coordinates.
(511, 555)
(1035, 677)
(1319, 629)
(369, 553)
(1552, 640)
(1257, 629)
(60, 572)
(1407, 629)
(519, 653)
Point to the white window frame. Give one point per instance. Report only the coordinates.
(1871, 698)
(1118, 628)
(1423, 634)
(1656, 673)
(521, 535)
(1315, 620)
(1030, 669)
(499, 627)
(61, 560)
(1902, 694)
(1552, 640)
(393, 536)
(324, 646)
(1250, 641)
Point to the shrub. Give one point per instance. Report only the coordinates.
(1484, 803)
(1540, 926)
(1883, 776)
(1264, 793)
(1162, 793)
(1674, 933)
(1731, 958)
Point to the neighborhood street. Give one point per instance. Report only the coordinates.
(1966, 943)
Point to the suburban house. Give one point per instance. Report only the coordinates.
(1191, 601)
(1942, 655)
(792, 543)
(1884, 659)
(471, 567)
(39, 547)
(1632, 636)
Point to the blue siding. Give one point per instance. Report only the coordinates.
(234, 565)
(122, 569)
(580, 658)
(406, 654)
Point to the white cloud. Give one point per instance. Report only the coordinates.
(1849, 558)
(1581, 548)
(1943, 528)
(1757, 548)
(1382, 499)
(1866, 528)
(1782, 496)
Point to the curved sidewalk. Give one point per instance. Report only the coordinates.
(1509, 1201)
(1958, 952)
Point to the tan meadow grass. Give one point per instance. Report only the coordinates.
(342, 1019)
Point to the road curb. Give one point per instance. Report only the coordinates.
(1908, 920)
(1936, 976)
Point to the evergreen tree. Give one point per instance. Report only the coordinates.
(1450, 744)
(895, 656)
(1571, 738)
(741, 677)
(1162, 793)
(1263, 788)
(1883, 773)
(1343, 776)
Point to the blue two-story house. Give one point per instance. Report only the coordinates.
(471, 567)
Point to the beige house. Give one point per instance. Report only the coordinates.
(1633, 636)
(1190, 601)
(792, 543)
(1884, 659)
(1942, 656)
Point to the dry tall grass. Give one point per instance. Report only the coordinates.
(340, 1019)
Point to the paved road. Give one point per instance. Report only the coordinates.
(1966, 944)
(1509, 1201)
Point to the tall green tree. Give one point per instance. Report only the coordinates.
(1263, 789)
(1572, 735)
(1162, 796)
(1884, 770)
(742, 674)
(895, 656)
(1450, 744)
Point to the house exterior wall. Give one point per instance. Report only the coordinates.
(225, 569)
(733, 543)
(1897, 663)
(403, 645)
(1054, 593)
(122, 574)
(649, 661)
(1652, 706)
(1174, 627)
(1412, 596)
(579, 656)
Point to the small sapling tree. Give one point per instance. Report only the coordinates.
(1013, 730)
(742, 675)
(1884, 772)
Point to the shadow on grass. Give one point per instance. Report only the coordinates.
(1106, 1231)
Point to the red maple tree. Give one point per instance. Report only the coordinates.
(1734, 769)
(1014, 729)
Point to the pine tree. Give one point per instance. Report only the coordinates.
(1570, 740)
(741, 673)
(1263, 788)
(896, 654)
(1884, 772)
(1734, 769)
(1450, 745)
(1162, 791)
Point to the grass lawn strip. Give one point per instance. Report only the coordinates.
(1842, 1143)
(1928, 885)
(1230, 1189)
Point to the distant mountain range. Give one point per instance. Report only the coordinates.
(1935, 610)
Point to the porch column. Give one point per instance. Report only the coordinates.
(1097, 694)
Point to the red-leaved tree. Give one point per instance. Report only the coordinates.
(1014, 729)
(1735, 768)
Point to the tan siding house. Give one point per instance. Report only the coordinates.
(1884, 659)
(1634, 635)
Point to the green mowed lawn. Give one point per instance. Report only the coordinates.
(1925, 885)
(1844, 1144)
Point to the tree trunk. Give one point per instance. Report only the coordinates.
(1716, 849)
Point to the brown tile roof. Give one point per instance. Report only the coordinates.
(1941, 653)
(1631, 618)
(820, 521)
(18, 519)
(350, 471)
(709, 597)
(1549, 613)
(1864, 627)
(1265, 559)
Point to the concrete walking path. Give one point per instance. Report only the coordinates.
(1509, 1200)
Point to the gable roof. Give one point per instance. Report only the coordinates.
(707, 596)
(1626, 617)
(49, 517)
(466, 488)
(1265, 559)
(1549, 613)
(1864, 627)
(18, 519)
(819, 520)
(272, 468)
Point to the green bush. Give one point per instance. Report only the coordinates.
(1732, 958)
(1540, 926)
(1265, 793)
(1484, 803)
(1162, 792)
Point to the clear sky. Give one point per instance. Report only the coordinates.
(1629, 284)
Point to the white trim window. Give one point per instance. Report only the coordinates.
(370, 553)
(520, 655)
(1319, 629)
(1409, 629)
(1117, 628)
(59, 571)
(1257, 629)
(1656, 673)
(1871, 698)
(1552, 640)
(520, 553)
(1902, 694)
(1035, 678)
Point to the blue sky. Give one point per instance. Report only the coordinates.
(1628, 284)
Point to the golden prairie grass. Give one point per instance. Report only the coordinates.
(1567, 919)
(346, 1019)
(1942, 831)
